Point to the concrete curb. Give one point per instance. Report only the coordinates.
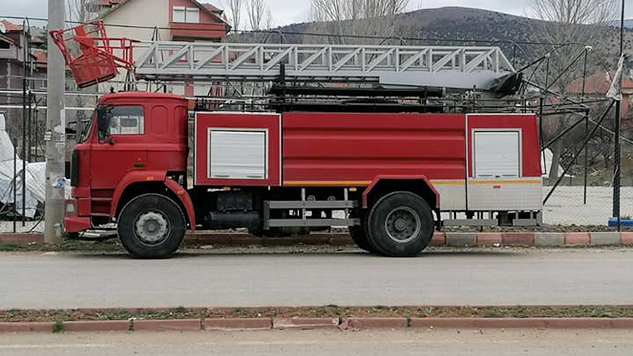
(166, 325)
(305, 323)
(450, 239)
(90, 326)
(20, 239)
(370, 323)
(26, 327)
(527, 323)
(377, 323)
(238, 324)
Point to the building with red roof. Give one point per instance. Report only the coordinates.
(178, 20)
(598, 84)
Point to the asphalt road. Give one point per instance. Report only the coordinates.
(418, 342)
(441, 277)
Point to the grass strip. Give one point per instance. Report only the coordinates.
(328, 311)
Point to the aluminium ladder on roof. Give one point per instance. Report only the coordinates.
(432, 66)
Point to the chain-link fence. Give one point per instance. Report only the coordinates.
(573, 204)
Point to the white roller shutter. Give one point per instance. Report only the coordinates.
(237, 154)
(193, 15)
(497, 154)
(178, 14)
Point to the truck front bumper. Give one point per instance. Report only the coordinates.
(72, 222)
(77, 224)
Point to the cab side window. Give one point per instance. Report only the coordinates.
(127, 120)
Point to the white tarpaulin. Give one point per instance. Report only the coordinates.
(35, 177)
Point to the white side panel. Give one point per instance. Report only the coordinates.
(452, 194)
(497, 154)
(238, 154)
(523, 194)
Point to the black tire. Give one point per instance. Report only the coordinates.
(151, 226)
(359, 234)
(400, 225)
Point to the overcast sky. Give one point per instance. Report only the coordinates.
(291, 11)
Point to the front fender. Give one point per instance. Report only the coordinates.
(134, 177)
(154, 176)
(185, 199)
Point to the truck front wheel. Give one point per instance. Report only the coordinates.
(400, 225)
(151, 226)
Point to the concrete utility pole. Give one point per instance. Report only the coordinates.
(55, 136)
(618, 131)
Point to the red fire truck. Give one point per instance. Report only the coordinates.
(390, 172)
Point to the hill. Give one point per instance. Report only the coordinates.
(454, 26)
(627, 23)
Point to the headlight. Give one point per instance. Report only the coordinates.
(71, 208)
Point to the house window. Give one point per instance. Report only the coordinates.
(4, 44)
(193, 15)
(186, 14)
(179, 14)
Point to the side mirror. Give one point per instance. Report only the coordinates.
(104, 116)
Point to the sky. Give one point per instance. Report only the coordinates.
(293, 11)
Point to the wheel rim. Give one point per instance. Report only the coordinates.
(151, 227)
(403, 224)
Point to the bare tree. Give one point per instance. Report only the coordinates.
(255, 10)
(269, 19)
(235, 10)
(573, 24)
(82, 10)
(357, 17)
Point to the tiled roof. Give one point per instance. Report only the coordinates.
(10, 26)
(598, 83)
(212, 8)
(40, 56)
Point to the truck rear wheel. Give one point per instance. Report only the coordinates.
(359, 234)
(151, 226)
(400, 225)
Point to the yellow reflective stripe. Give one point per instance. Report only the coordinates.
(434, 182)
(505, 182)
(447, 182)
(347, 183)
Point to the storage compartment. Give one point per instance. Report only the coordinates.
(237, 149)
(497, 154)
(237, 154)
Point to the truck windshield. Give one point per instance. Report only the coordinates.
(86, 127)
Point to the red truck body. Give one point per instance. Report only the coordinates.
(290, 172)
(354, 149)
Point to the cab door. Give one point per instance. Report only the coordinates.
(124, 150)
